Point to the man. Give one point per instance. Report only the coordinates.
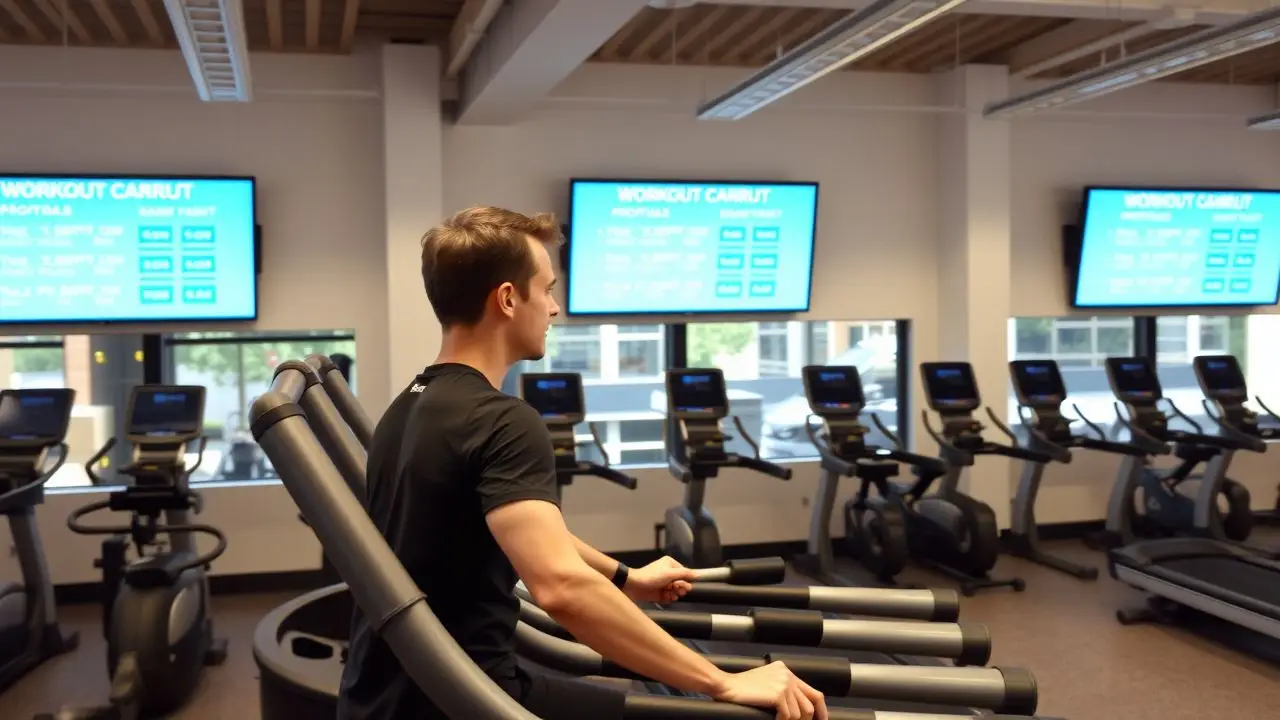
(462, 484)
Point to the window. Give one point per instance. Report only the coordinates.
(236, 368)
(762, 363)
(32, 361)
(1079, 345)
(1179, 340)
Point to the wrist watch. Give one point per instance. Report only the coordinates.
(620, 576)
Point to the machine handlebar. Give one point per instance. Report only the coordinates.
(92, 462)
(1178, 412)
(835, 462)
(762, 466)
(1249, 441)
(604, 471)
(1148, 443)
(893, 437)
(42, 476)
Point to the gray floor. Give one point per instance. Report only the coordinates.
(1088, 666)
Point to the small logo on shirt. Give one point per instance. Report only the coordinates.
(417, 388)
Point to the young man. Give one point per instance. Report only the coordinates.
(462, 484)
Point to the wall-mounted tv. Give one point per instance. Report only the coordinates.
(1161, 248)
(676, 247)
(104, 249)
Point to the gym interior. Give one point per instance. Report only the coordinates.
(951, 155)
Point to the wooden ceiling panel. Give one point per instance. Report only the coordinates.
(1257, 67)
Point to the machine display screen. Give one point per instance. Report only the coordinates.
(698, 391)
(950, 384)
(127, 249)
(640, 247)
(834, 388)
(554, 395)
(35, 414)
(167, 410)
(1133, 378)
(1221, 377)
(1167, 248)
(1038, 382)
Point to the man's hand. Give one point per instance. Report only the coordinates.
(774, 686)
(662, 581)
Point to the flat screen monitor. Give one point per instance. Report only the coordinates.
(834, 389)
(950, 386)
(1221, 378)
(1134, 379)
(126, 249)
(638, 247)
(556, 396)
(1145, 248)
(1038, 383)
(166, 410)
(697, 393)
(35, 415)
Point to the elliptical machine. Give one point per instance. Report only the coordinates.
(156, 607)
(1166, 510)
(950, 531)
(32, 423)
(875, 525)
(1041, 391)
(697, 401)
(559, 399)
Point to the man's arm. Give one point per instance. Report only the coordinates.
(546, 555)
(598, 561)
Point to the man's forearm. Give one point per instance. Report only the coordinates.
(598, 561)
(600, 616)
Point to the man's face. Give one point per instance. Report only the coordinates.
(532, 317)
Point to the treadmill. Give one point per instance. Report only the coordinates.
(1217, 578)
(383, 589)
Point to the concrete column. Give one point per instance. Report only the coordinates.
(974, 275)
(414, 172)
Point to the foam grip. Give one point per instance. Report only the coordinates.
(946, 605)
(1020, 693)
(780, 627)
(975, 645)
(827, 675)
(757, 571)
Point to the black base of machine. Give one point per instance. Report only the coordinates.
(876, 534)
(1021, 546)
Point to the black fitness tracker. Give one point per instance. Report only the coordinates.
(620, 576)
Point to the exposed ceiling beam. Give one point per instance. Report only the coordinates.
(725, 36)
(63, 13)
(1062, 40)
(149, 22)
(313, 24)
(32, 30)
(1216, 12)
(275, 25)
(350, 14)
(772, 28)
(108, 18)
(706, 23)
(658, 34)
(1086, 49)
(467, 31)
(529, 49)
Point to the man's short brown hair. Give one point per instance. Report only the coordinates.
(474, 252)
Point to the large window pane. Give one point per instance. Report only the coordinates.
(31, 361)
(622, 367)
(762, 364)
(1079, 345)
(235, 368)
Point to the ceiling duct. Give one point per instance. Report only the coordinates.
(1249, 33)
(854, 36)
(212, 38)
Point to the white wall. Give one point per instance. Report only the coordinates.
(314, 137)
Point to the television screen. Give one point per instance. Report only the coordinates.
(126, 249)
(1173, 248)
(690, 247)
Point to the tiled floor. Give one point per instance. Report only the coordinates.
(1088, 666)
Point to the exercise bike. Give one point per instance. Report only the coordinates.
(697, 401)
(156, 607)
(559, 399)
(949, 531)
(33, 423)
(875, 529)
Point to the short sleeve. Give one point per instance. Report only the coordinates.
(517, 462)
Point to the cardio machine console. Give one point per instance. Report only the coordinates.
(1134, 382)
(835, 394)
(697, 400)
(162, 420)
(31, 422)
(952, 392)
(559, 399)
(1222, 381)
(1038, 385)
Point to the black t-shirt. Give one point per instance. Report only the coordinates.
(449, 449)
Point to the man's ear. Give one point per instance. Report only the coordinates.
(506, 298)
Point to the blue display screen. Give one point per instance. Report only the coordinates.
(1151, 248)
(674, 247)
(101, 249)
